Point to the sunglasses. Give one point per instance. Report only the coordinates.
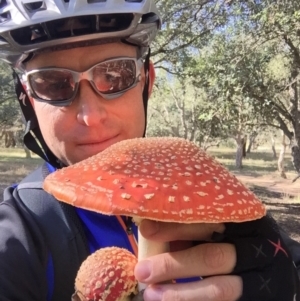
(59, 86)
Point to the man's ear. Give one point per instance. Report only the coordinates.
(151, 78)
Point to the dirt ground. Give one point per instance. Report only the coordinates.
(281, 197)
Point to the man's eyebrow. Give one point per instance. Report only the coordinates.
(93, 64)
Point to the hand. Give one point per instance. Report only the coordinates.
(245, 261)
(192, 261)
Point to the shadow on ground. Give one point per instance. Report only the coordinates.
(284, 208)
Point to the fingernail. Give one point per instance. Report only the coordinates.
(153, 294)
(143, 270)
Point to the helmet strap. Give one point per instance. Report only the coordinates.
(146, 88)
(33, 138)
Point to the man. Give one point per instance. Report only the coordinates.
(86, 69)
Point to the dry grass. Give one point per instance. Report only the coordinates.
(14, 166)
(257, 163)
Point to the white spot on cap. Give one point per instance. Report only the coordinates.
(186, 198)
(200, 193)
(171, 199)
(125, 196)
(149, 196)
(175, 186)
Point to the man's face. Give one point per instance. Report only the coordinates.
(91, 123)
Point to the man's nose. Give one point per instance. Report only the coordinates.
(91, 106)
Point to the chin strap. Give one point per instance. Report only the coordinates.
(33, 138)
(146, 87)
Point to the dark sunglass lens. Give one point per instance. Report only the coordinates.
(114, 76)
(52, 85)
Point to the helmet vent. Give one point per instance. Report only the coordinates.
(5, 17)
(34, 6)
(95, 1)
(3, 41)
(71, 27)
(3, 3)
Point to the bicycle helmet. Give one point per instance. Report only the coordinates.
(33, 26)
(29, 26)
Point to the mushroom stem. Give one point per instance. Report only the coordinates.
(147, 248)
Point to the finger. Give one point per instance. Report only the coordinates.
(178, 245)
(165, 231)
(202, 260)
(219, 288)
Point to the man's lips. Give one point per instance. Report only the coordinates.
(99, 144)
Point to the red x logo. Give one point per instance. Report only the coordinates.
(278, 247)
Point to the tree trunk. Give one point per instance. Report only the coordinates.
(239, 153)
(295, 113)
(27, 152)
(280, 162)
(296, 160)
(273, 147)
(244, 141)
(251, 141)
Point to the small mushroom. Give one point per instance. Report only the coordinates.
(106, 275)
(162, 179)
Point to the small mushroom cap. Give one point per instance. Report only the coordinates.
(106, 275)
(164, 179)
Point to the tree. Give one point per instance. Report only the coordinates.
(175, 109)
(223, 69)
(275, 27)
(187, 25)
(10, 116)
(246, 39)
(8, 105)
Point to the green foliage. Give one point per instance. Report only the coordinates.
(9, 109)
(243, 60)
(175, 109)
(187, 26)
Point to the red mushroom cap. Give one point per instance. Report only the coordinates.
(165, 179)
(107, 275)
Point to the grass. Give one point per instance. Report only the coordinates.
(286, 198)
(256, 163)
(14, 165)
(259, 162)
